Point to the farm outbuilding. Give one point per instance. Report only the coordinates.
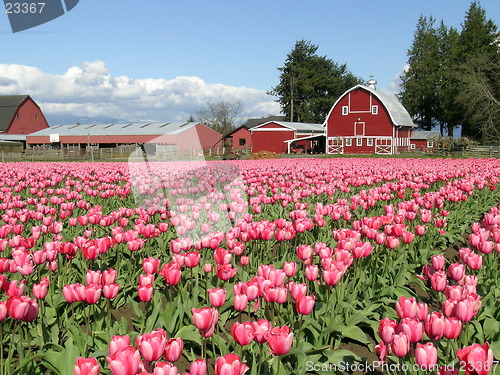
(423, 140)
(180, 137)
(240, 139)
(285, 137)
(367, 121)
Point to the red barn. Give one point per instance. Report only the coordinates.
(366, 121)
(19, 114)
(277, 136)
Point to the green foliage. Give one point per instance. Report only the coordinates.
(310, 84)
(419, 95)
(453, 77)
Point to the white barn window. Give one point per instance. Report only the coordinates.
(359, 141)
(374, 109)
(345, 110)
(430, 144)
(369, 141)
(412, 146)
(348, 142)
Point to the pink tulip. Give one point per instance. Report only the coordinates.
(173, 349)
(217, 296)
(118, 343)
(198, 367)
(438, 262)
(413, 328)
(164, 368)
(86, 366)
(332, 276)
(400, 344)
(260, 329)
(387, 329)
(230, 364)
(434, 325)
(280, 340)
(304, 304)
(110, 291)
(171, 272)
(406, 307)
(145, 292)
(240, 302)
(439, 281)
(381, 349)
(152, 344)
(225, 272)
(22, 308)
(205, 320)
(93, 293)
(452, 328)
(124, 362)
(151, 265)
(242, 333)
(456, 271)
(426, 355)
(477, 359)
(311, 272)
(40, 290)
(290, 268)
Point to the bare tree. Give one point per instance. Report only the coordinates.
(482, 106)
(222, 116)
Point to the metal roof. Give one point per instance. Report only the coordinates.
(155, 128)
(13, 137)
(253, 122)
(298, 126)
(8, 108)
(398, 114)
(422, 134)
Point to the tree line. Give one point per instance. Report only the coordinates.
(453, 77)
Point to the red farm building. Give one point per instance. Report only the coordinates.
(180, 137)
(366, 121)
(19, 114)
(423, 140)
(240, 139)
(286, 137)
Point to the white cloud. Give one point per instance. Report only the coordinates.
(394, 86)
(91, 90)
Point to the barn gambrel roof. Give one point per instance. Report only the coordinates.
(9, 104)
(398, 114)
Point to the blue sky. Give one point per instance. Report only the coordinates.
(165, 59)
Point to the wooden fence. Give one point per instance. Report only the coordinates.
(481, 152)
(120, 153)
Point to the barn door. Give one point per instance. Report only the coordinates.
(335, 145)
(383, 146)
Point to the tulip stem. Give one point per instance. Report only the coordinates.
(11, 349)
(1, 347)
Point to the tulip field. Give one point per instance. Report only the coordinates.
(285, 266)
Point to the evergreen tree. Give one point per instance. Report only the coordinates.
(310, 84)
(478, 74)
(449, 116)
(419, 92)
